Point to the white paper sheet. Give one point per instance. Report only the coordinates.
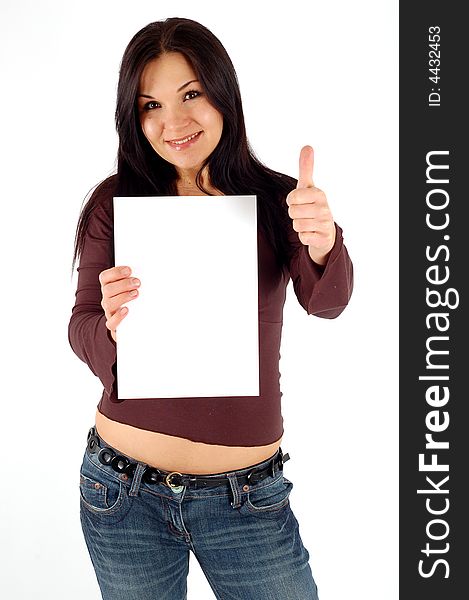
(193, 329)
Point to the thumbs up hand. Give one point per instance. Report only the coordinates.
(308, 207)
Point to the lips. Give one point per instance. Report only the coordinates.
(185, 138)
(184, 142)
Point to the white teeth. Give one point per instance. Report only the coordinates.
(186, 139)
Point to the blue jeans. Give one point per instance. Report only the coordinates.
(139, 536)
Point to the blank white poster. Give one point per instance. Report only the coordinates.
(193, 329)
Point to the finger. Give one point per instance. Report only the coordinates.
(305, 179)
(115, 304)
(113, 322)
(319, 240)
(117, 288)
(112, 304)
(305, 225)
(306, 202)
(113, 274)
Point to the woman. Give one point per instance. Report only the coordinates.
(164, 476)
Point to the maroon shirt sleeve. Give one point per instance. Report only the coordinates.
(325, 290)
(88, 335)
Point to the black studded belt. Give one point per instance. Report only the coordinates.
(123, 464)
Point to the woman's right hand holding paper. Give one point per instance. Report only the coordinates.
(117, 288)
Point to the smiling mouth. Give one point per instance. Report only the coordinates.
(185, 139)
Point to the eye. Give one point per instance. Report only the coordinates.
(197, 93)
(147, 107)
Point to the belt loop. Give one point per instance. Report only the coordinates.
(272, 466)
(235, 489)
(137, 477)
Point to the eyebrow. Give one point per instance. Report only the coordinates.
(178, 90)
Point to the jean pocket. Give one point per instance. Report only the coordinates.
(101, 493)
(270, 499)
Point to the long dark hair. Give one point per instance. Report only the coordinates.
(232, 166)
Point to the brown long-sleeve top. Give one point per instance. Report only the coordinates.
(323, 291)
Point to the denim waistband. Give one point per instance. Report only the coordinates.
(234, 478)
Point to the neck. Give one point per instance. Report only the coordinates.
(186, 177)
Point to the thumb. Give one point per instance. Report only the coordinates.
(305, 179)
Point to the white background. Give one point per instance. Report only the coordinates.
(319, 73)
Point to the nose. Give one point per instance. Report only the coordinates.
(176, 122)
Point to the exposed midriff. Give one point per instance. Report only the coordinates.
(172, 453)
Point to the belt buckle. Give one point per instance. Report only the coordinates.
(175, 488)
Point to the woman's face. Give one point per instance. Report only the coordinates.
(172, 108)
